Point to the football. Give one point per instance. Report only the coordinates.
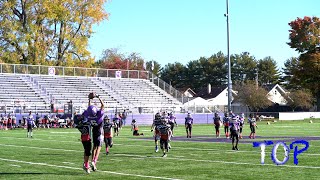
(91, 95)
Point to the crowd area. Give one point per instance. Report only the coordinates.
(8, 122)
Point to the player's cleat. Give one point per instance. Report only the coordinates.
(86, 169)
(93, 166)
(236, 148)
(164, 155)
(233, 148)
(157, 149)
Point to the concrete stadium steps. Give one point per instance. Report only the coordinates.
(64, 89)
(16, 91)
(139, 92)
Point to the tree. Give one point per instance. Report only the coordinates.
(288, 79)
(299, 98)
(154, 67)
(268, 72)
(255, 97)
(113, 59)
(305, 38)
(52, 32)
(305, 34)
(243, 67)
(174, 74)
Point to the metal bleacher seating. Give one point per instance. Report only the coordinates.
(62, 89)
(139, 92)
(17, 93)
(122, 93)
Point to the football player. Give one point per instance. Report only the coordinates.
(84, 127)
(135, 128)
(107, 128)
(253, 125)
(217, 122)
(234, 130)
(156, 133)
(165, 134)
(188, 124)
(226, 120)
(95, 117)
(30, 125)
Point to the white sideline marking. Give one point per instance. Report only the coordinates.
(64, 132)
(68, 167)
(175, 147)
(115, 159)
(224, 162)
(14, 165)
(67, 163)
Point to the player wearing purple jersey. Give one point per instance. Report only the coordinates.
(30, 125)
(234, 129)
(95, 117)
(188, 124)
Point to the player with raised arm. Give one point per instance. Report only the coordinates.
(95, 117)
(84, 126)
(234, 130)
(188, 124)
(107, 128)
(217, 122)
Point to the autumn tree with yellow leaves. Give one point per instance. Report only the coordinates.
(48, 32)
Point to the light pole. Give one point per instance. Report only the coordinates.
(229, 62)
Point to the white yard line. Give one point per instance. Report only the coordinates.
(224, 162)
(67, 163)
(14, 165)
(75, 168)
(181, 159)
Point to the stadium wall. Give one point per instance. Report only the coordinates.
(283, 116)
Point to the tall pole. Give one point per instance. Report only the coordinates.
(229, 62)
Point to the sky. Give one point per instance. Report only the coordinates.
(169, 31)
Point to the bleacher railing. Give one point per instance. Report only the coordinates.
(92, 72)
(168, 88)
(71, 71)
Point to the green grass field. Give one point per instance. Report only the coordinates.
(58, 154)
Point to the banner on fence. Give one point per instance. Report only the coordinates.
(51, 71)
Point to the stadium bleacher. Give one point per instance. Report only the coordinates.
(123, 93)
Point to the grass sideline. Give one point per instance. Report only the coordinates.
(57, 154)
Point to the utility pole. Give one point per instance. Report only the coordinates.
(229, 61)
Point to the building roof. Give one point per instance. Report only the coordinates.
(215, 91)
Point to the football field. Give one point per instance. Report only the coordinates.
(58, 154)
